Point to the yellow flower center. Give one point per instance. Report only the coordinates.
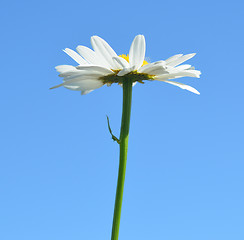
(126, 57)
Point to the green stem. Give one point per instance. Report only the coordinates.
(124, 136)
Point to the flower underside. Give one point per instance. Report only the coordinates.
(134, 76)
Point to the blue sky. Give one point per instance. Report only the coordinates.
(58, 167)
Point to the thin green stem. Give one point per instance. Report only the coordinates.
(124, 137)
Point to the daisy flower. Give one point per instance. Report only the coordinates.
(102, 66)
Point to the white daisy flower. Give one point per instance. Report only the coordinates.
(103, 66)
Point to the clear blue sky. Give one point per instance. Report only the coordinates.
(58, 167)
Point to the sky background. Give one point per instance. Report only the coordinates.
(58, 163)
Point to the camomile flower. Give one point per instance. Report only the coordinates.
(103, 66)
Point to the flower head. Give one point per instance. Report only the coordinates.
(103, 66)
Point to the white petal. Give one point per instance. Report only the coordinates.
(64, 68)
(149, 65)
(181, 59)
(182, 67)
(156, 68)
(84, 74)
(85, 86)
(71, 73)
(183, 86)
(186, 73)
(75, 56)
(145, 67)
(75, 88)
(95, 71)
(168, 76)
(126, 70)
(76, 80)
(99, 69)
(90, 56)
(102, 48)
(189, 73)
(173, 58)
(122, 62)
(137, 51)
(84, 92)
(197, 73)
